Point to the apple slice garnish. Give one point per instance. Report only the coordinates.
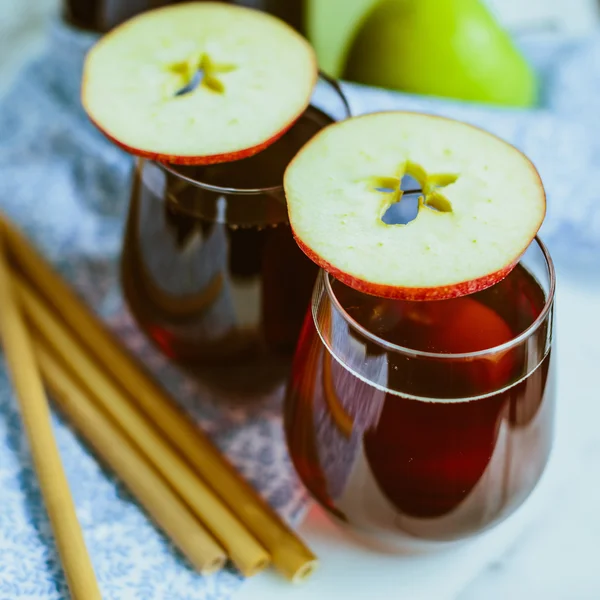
(198, 83)
(482, 203)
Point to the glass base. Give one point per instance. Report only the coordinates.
(395, 544)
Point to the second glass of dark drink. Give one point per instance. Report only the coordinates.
(210, 269)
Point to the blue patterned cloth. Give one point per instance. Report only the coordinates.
(67, 187)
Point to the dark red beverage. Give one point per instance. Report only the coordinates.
(210, 269)
(103, 15)
(427, 420)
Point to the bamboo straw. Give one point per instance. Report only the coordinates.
(113, 446)
(289, 554)
(25, 375)
(241, 546)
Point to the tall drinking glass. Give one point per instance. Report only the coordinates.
(425, 421)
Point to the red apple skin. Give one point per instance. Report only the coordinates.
(197, 160)
(456, 290)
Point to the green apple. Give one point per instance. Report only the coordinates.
(451, 48)
(330, 27)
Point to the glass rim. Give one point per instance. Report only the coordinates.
(515, 341)
(275, 189)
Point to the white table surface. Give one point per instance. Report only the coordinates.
(549, 549)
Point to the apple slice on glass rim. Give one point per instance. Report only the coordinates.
(481, 204)
(198, 83)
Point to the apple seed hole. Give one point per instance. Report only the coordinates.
(435, 201)
(410, 185)
(407, 209)
(414, 190)
(403, 212)
(191, 85)
(202, 72)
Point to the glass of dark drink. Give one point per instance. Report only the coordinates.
(424, 422)
(210, 269)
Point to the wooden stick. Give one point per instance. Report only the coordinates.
(241, 546)
(113, 446)
(25, 375)
(290, 555)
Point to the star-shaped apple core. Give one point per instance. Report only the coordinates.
(200, 71)
(429, 187)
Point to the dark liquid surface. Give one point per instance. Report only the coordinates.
(216, 278)
(103, 15)
(439, 469)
